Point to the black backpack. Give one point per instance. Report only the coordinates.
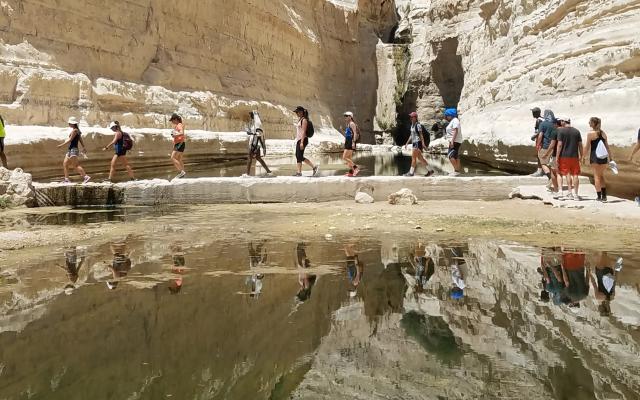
(427, 135)
(127, 141)
(310, 129)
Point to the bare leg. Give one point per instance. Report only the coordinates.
(249, 163)
(128, 167)
(308, 162)
(347, 157)
(422, 159)
(576, 183)
(175, 158)
(112, 170)
(264, 164)
(3, 159)
(76, 164)
(65, 167)
(300, 167)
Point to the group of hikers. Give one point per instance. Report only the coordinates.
(559, 149)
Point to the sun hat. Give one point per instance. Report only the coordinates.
(113, 125)
(348, 114)
(72, 121)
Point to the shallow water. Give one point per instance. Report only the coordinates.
(387, 164)
(155, 317)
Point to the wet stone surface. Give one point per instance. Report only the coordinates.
(155, 316)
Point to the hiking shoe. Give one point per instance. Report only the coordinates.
(86, 179)
(106, 181)
(408, 174)
(429, 173)
(315, 170)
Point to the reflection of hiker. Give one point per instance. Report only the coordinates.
(305, 279)
(419, 137)
(604, 284)
(354, 269)
(3, 157)
(457, 274)
(304, 130)
(257, 258)
(72, 267)
(597, 149)
(257, 144)
(179, 267)
(552, 280)
(423, 267)
(121, 264)
(574, 275)
(537, 115)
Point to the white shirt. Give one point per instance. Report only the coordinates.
(454, 124)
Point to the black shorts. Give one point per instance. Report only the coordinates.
(300, 152)
(418, 145)
(348, 144)
(2, 144)
(454, 152)
(179, 147)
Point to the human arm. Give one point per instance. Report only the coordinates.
(552, 146)
(587, 148)
(303, 125)
(559, 147)
(84, 148)
(116, 137)
(636, 148)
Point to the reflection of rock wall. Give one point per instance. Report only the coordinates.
(139, 61)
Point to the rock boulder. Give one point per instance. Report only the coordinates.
(16, 188)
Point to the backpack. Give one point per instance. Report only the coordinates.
(427, 135)
(356, 134)
(127, 141)
(310, 129)
(601, 150)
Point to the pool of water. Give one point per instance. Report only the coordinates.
(157, 317)
(387, 164)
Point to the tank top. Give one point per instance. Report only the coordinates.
(594, 145)
(299, 132)
(348, 133)
(73, 144)
(178, 137)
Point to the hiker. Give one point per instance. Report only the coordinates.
(179, 144)
(546, 142)
(420, 139)
(257, 144)
(458, 266)
(635, 150)
(597, 146)
(120, 148)
(257, 259)
(178, 268)
(351, 137)
(3, 157)
(569, 151)
(536, 112)
(454, 136)
(121, 265)
(304, 129)
(71, 159)
(72, 267)
(423, 267)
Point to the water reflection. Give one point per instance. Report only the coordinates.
(461, 318)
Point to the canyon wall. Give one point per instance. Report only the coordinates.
(137, 61)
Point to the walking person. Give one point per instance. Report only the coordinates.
(303, 132)
(257, 144)
(569, 151)
(597, 146)
(71, 159)
(420, 139)
(547, 140)
(3, 157)
(635, 150)
(351, 137)
(454, 136)
(120, 149)
(179, 144)
(537, 115)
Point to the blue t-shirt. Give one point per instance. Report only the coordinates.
(549, 133)
(349, 133)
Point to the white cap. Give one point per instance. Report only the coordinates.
(565, 119)
(348, 114)
(112, 125)
(72, 121)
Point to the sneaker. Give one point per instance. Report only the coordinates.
(637, 200)
(429, 173)
(86, 179)
(269, 175)
(539, 173)
(315, 170)
(297, 174)
(614, 167)
(576, 197)
(408, 174)
(356, 170)
(569, 197)
(241, 176)
(66, 181)
(454, 173)
(349, 174)
(181, 174)
(557, 196)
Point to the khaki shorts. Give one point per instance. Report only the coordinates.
(549, 161)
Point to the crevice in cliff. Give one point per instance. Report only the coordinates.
(447, 71)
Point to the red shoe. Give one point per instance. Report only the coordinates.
(356, 171)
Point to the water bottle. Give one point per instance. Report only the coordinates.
(619, 263)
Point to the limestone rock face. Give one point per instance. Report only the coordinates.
(212, 61)
(16, 188)
(498, 59)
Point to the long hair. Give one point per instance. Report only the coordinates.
(117, 124)
(596, 124)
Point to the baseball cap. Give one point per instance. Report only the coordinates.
(348, 114)
(113, 125)
(414, 114)
(299, 109)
